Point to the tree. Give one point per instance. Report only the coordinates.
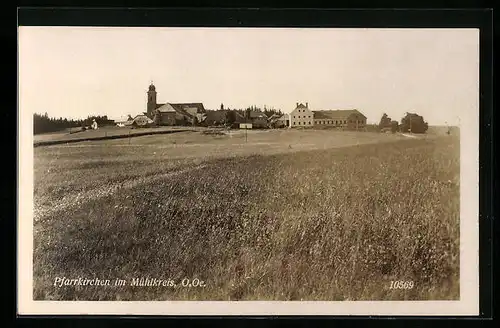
(394, 126)
(385, 122)
(413, 123)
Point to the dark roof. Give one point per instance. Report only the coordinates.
(215, 116)
(199, 106)
(181, 108)
(320, 115)
(239, 118)
(255, 114)
(336, 114)
(301, 106)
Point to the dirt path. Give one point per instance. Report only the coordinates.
(72, 201)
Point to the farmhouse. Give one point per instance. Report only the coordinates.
(274, 120)
(124, 121)
(258, 119)
(283, 121)
(173, 114)
(302, 116)
(142, 121)
(215, 117)
(348, 119)
(221, 117)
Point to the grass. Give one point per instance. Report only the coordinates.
(275, 224)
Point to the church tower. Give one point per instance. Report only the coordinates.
(151, 100)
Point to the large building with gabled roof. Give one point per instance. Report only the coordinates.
(350, 119)
(173, 113)
(303, 116)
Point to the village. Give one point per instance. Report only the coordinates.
(302, 116)
(261, 162)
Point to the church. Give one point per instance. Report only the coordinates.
(173, 114)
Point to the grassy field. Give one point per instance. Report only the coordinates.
(286, 215)
(106, 131)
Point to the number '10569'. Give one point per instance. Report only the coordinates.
(402, 285)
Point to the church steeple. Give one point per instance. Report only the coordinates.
(151, 106)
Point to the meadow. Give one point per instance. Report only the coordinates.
(274, 215)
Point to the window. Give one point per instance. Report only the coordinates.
(293, 123)
(294, 117)
(309, 122)
(345, 121)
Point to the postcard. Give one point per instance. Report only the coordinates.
(248, 171)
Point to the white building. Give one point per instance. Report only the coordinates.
(301, 116)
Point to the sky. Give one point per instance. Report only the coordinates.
(74, 72)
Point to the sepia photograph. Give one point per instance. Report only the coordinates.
(269, 165)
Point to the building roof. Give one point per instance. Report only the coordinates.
(274, 117)
(336, 114)
(320, 115)
(239, 117)
(121, 119)
(143, 118)
(284, 117)
(165, 108)
(255, 114)
(183, 106)
(215, 116)
(301, 106)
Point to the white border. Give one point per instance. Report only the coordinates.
(469, 254)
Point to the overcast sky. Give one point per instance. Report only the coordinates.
(74, 72)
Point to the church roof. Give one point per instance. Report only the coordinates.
(165, 108)
(183, 106)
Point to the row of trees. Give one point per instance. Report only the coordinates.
(42, 123)
(411, 122)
